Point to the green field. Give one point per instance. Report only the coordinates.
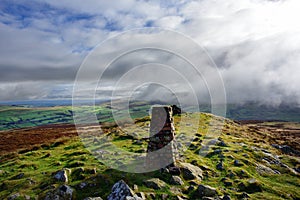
(12, 117)
(20, 116)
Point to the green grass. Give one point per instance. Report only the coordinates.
(39, 164)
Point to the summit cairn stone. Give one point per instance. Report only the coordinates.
(161, 149)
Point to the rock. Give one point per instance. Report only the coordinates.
(193, 183)
(93, 198)
(250, 186)
(82, 185)
(231, 174)
(176, 180)
(291, 170)
(57, 163)
(92, 171)
(93, 184)
(212, 142)
(222, 157)
(174, 170)
(75, 171)
(133, 198)
(243, 174)
(164, 170)
(175, 190)
(31, 181)
(204, 167)
(190, 171)
(164, 196)
(222, 144)
(61, 176)
(244, 195)
(138, 142)
(96, 140)
(220, 166)
(141, 195)
(237, 163)
(246, 155)
(208, 198)
(217, 151)
(193, 146)
(155, 183)
(228, 183)
(46, 186)
(178, 198)
(226, 197)
(121, 191)
(79, 170)
(206, 191)
(19, 176)
(190, 188)
(64, 192)
(2, 172)
(150, 195)
(135, 188)
(78, 174)
(14, 196)
(27, 197)
(286, 149)
(262, 170)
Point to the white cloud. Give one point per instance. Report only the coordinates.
(256, 43)
(171, 22)
(26, 90)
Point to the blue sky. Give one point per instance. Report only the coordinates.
(255, 43)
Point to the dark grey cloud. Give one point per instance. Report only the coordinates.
(34, 90)
(41, 73)
(256, 50)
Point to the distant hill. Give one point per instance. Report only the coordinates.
(35, 113)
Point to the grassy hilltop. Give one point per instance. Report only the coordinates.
(241, 162)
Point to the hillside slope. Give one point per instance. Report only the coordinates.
(241, 163)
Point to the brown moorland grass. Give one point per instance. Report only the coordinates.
(282, 133)
(27, 138)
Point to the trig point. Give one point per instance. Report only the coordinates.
(161, 148)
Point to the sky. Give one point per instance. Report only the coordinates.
(255, 45)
